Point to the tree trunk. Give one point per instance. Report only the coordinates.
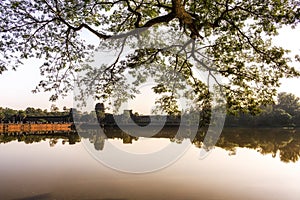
(184, 17)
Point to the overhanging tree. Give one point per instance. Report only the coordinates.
(235, 36)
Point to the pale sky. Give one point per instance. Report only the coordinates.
(16, 86)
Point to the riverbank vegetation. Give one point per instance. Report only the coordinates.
(9, 115)
(285, 112)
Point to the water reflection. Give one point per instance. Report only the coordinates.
(285, 143)
(277, 142)
(67, 137)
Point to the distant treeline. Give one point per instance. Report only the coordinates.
(284, 113)
(8, 115)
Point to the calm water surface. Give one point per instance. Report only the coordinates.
(245, 164)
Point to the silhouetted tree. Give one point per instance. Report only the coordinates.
(235, 36)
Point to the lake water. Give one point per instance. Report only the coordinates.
(245, 164)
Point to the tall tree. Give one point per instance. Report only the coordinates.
(288, 102)
(235, 36)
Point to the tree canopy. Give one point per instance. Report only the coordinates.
(233, 36)
(289, 102)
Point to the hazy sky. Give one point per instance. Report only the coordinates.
(16, 86)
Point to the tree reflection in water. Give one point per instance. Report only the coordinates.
(284, 143)
(29, 138)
